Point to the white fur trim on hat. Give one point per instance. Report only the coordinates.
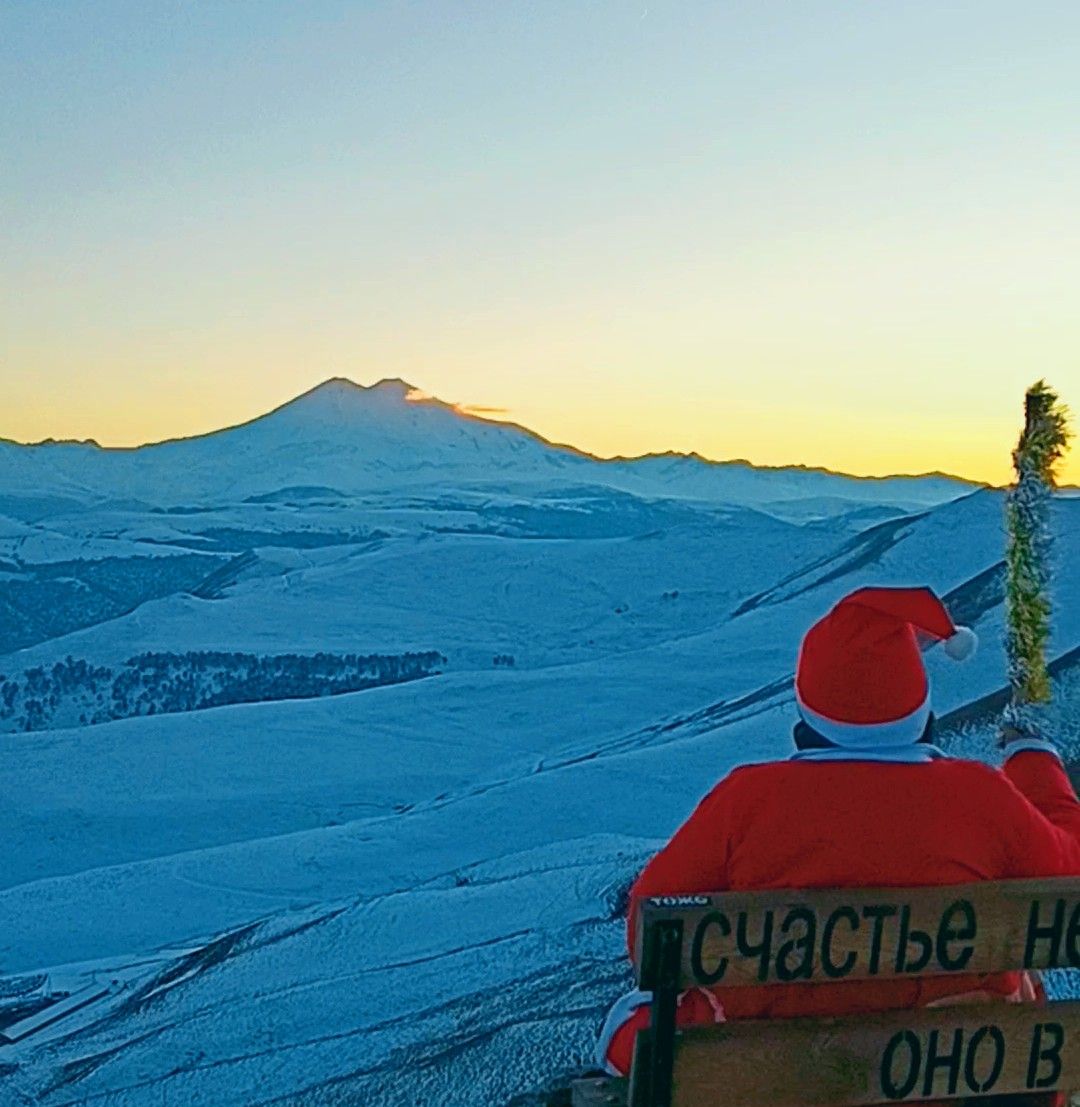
(862, 736)
(961, 645)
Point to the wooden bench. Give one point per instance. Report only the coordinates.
(807, 938)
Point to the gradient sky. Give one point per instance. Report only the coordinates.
(844, 234)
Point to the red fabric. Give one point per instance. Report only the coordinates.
(918, 606)
(861, 663)
(693, 1010)
(620, 1053)
(807, 824)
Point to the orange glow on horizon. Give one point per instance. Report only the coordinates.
(632, 232)
(717, 429)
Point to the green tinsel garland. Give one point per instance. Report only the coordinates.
(1042, 444)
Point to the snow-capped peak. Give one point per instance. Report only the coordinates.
(343, 386)
(341, 407)
(344, 395)
(356, 438)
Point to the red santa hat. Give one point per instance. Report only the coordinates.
(860, 681)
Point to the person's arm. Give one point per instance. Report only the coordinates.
(1039, 774)
(695, 860)
(1046, 816)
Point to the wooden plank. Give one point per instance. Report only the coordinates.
(893, 1057)
(598, 1091)
(824, 935)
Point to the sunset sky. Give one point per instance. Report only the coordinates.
(841, 234)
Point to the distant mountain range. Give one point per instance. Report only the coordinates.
(347, 439)
(332, 741)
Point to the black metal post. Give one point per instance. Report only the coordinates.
(654, 1055)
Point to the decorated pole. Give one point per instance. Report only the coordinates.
(1042, 445)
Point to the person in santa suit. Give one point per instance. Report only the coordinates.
(866, 800)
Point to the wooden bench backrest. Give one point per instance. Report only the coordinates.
(810, 937)
(824, 935)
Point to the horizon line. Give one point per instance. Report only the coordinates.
(469, 412)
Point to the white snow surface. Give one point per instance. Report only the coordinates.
(411, 893)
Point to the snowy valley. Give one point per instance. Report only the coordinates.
(333, 740)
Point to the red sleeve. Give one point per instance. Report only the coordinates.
(695, 860)
(1046, 828)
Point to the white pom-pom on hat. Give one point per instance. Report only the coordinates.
(961, 645)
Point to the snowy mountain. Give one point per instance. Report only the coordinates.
(332, 741)
(342, 439)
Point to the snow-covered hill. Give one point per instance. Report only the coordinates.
(341, 438)
(297, 901)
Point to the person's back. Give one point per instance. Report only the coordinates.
(865, 802)
(859, 824)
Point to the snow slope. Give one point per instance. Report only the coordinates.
(298, 902)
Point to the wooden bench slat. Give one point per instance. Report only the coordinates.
(879, 1058)
(822, 935)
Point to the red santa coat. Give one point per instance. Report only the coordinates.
(836, 824)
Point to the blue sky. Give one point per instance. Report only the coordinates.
(832, 233)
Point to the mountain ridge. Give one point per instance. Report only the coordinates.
(390, 391)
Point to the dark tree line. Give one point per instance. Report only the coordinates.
(39, 602)
(166, 683)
